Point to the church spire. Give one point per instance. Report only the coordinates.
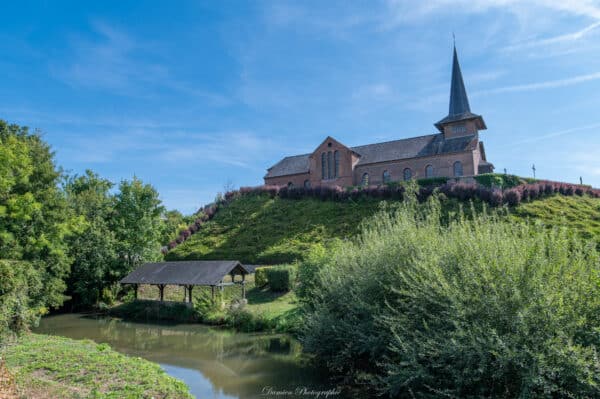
(459, 111)
(459, 103)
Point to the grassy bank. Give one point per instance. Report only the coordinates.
(55, 367)
(257, 229)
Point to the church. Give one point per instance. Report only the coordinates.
(455, 151)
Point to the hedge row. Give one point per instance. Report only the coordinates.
(279, 278)
(459, 190)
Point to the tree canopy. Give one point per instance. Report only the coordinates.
(68, 237)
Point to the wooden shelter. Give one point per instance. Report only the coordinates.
(210, 273)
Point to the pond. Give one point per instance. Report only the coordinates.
(214, 363)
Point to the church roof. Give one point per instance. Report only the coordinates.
(459, 108)
(290, 166)
(423, 146)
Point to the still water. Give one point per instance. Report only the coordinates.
(214, 363)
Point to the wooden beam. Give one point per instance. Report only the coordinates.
(190, 287)
(161, 289)
(135, 291)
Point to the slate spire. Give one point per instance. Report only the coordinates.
(459, 109)
(459, 103)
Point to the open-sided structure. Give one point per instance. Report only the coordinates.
(188, 274)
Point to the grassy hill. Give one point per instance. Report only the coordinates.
(257, 229)
(263, 230)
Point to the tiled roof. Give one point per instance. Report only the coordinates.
(290, 166)
(198, 272)
(414, 147)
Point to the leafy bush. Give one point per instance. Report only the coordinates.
(498, 180)
(308, 272)
(209, 310)
(281, 278)
(260, 276)
(243, 320)
(477, 308)
(20, 286)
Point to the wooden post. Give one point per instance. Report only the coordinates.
(161, 288)
(190, 293)
(135, 290)
(184, 293)
(243, 289)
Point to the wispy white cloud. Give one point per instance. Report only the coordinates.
(549, 84)
(560, 39)
(406, 9)
(237, 148)
(555, 134)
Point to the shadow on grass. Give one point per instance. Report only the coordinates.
(258, 295)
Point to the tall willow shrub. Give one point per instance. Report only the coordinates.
(475, 308)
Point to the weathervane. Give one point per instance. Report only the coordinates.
(533, 168)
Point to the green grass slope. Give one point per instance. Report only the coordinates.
(579, 213)
(262, 230)
(257, 229)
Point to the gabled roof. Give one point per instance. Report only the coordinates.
(290, 166)
(197, 272)
(414, 147)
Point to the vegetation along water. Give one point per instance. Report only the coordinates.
(401, 291)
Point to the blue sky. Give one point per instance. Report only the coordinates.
(193, 96)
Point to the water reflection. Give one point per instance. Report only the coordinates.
(214, 363)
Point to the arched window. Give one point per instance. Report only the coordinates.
(306, 183)
(458, 169)
(365, 179)
(336, 160)
(329, 165)
(323, 166)
(429, 171)
(407, 174)
(290, 185)
(386, 176)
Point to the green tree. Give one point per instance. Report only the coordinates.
(137, 223)
(172, 223)
(93, 249)
(34, 221)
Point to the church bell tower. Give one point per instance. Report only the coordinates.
(460, 120)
